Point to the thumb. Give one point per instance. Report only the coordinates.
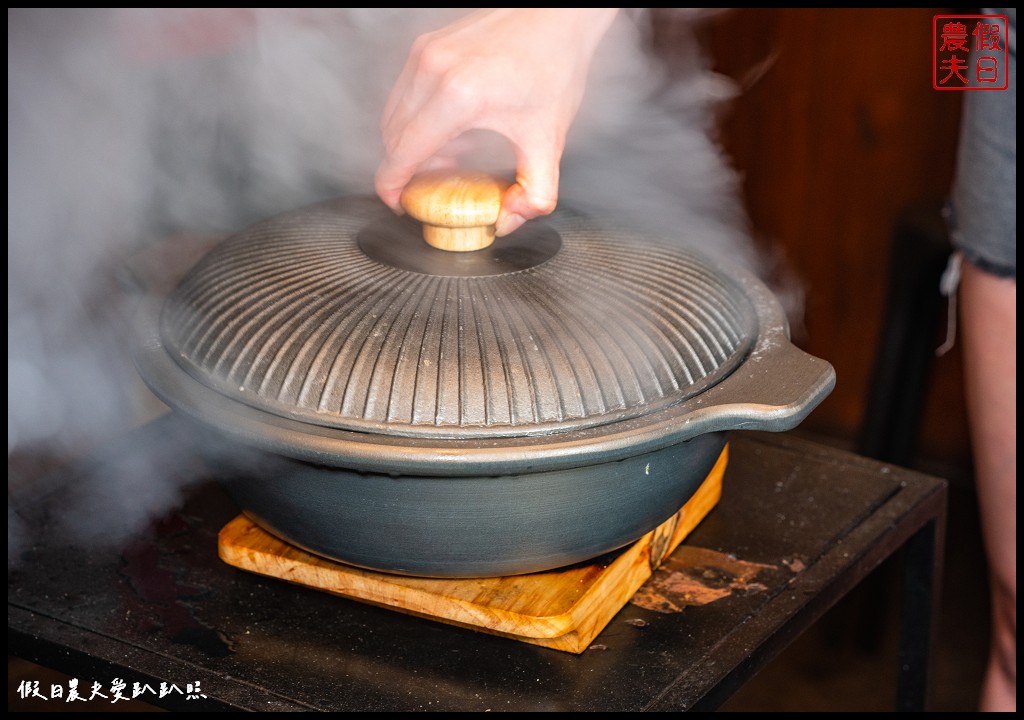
(534, 193)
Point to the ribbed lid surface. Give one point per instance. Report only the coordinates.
(306, 317)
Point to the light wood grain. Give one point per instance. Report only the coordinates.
(458, 208)
(563, 609)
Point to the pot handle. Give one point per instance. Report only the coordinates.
(774, 390)
(458, 208)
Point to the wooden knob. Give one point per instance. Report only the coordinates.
(458, 208)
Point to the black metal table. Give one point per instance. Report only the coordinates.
(164, 609)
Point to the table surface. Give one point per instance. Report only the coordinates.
(799, 525)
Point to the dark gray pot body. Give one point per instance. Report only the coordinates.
(469, 526)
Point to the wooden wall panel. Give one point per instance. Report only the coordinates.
(839, 132)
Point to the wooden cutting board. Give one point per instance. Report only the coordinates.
(563, 609)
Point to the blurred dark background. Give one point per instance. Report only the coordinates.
(837, 133)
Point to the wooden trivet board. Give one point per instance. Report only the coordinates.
(563, 609)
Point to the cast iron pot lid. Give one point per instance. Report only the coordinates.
(334, 334)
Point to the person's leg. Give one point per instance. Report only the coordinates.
(989, 333)
(984, 230)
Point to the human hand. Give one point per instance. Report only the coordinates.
(519, 72)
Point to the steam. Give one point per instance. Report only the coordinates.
(642, 149)
(127, 128)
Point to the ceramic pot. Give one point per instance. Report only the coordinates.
(534, 402)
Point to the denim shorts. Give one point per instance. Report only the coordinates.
(983, 207)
